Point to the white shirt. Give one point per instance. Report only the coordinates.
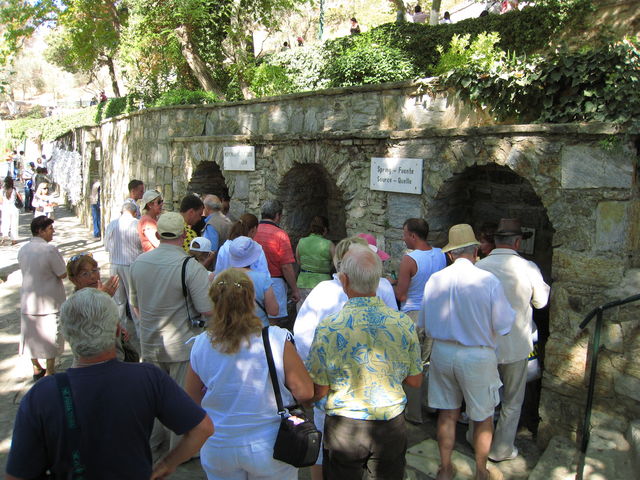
(122, 241)
(325, 299)
(239, 397)
(465, 304)
(524, 287)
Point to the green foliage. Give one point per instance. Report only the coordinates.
(304, 66)
(592, 84)
(482, 52)
(49, 128)
(365, 62)
(269, 80)
(185, 97)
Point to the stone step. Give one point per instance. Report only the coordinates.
(609, 456)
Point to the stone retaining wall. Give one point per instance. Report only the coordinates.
(313, 151)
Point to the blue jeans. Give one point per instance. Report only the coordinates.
(95, 214)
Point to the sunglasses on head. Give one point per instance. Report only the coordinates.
(80, 255)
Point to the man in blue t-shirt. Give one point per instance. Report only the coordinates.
(114, 403)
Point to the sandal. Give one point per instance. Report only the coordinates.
(39, 375)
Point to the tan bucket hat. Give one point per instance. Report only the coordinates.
(460, 235)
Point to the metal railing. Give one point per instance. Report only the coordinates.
(596, 312)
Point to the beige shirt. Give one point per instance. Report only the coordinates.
(524, 287)
(42, 290)
(156, 289)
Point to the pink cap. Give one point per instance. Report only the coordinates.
(371, 240)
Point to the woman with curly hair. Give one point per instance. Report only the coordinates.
(228, 375)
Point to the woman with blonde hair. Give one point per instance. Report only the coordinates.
(228, 375)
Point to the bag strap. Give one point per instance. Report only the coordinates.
(185, 292)
(272, 371)
(73, 429)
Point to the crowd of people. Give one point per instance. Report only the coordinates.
(169, 356)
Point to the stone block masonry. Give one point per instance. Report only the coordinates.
(313, 152)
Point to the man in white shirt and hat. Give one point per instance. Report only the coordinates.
(464, 310)
(525, 289)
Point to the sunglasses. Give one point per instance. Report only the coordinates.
(80, 255)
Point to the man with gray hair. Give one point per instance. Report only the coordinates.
(122, 241)
(525, 289)
(359, 359)
(217, 225)
(169, 316)
(114, 405)
(277, 248)
(464, 310)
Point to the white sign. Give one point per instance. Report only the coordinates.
(402, 175)
(240, 157)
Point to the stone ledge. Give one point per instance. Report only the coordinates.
(596, 129)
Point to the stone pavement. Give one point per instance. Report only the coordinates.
(15, 373)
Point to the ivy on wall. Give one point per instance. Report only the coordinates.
(592, 84)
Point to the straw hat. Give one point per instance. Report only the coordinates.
(460, 235)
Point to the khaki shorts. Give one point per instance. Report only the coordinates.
(458, 372)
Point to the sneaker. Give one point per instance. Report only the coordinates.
(513, 455)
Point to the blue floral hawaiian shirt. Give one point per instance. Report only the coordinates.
(363, 353)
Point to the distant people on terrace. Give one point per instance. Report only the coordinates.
(419, 16)
(355, 27)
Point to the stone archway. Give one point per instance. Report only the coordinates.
(485, 194)
(207, 179)
(307, 190)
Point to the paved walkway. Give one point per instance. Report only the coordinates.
(15, 373)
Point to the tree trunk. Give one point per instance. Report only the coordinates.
(196, 64)
(112, 75)
(435, 12)
(401, 10)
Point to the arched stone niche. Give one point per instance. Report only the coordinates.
(308, 190)
(198, 170)
(486, 193)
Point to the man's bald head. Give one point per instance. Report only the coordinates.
(212, 203)
(363, 269)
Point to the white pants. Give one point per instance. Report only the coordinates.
(10, 218)
(248, 462)
(514, 381)
(280, 291)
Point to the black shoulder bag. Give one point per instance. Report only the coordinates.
(78, 471)
(298, 441)
(196, 322)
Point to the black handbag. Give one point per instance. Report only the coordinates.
(298, 441)
(19, 204)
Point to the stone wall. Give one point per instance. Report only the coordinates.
(313, 152)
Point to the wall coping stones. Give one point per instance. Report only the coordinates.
(596, 129)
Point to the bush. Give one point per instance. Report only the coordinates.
(49, 127)
(593, 84)
(269, 80)
(183, 96)
(304, 66)
(366, 63)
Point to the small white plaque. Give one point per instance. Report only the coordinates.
(240, 157)
(402, 175)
